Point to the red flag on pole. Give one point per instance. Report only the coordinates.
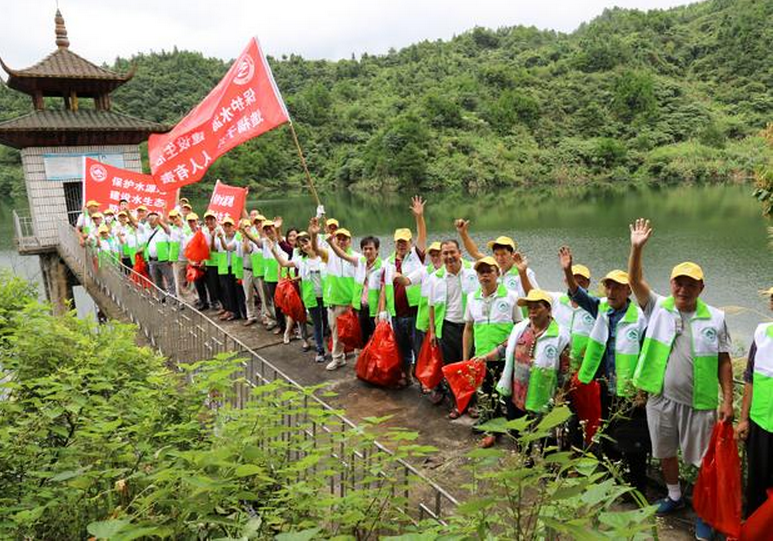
(246, 103)
(227, 200)
(108, 185)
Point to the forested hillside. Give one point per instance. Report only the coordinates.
(660, 96)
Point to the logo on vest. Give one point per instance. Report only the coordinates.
(709, 334)
(633, 335)
(551, 352)
(502, 306)
(511, 284)
(588, 319)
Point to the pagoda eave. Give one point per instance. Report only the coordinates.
(21, 139)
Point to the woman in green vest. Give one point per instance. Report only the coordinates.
(228, 265)
(756, 424)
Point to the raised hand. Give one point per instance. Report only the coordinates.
(461, 225)
(640, 232)
(565, 257)
(417, 205)
(278, 222)
(520, 261)
(314, 228)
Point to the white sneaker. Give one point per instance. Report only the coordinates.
(335, 364)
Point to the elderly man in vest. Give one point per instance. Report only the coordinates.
(402, 301)
(756, 424)
(610, 357)
(158, 252)
(491, 313)
(451, 285)
(684, 361)
(85, 224)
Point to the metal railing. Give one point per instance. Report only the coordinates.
(187, 335)
(24, 232)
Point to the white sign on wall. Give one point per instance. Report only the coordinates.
(70, 166)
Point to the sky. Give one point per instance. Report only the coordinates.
(101, 30)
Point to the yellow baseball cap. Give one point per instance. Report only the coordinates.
(210, 214)
(582, 270)
(259, 218)
(183, 200)
(403, 234)
(153, 211)
(92, 203)
(122, 213)
(173, 213)
(103, 229)
(142, 207)
(268, 223)
(109, 211)
(434, 247)
(228, 220)
(502, 241)
(343, 231)
(536, 295)
(192, 216)
(245, 222)
(621, 277)
(331, 221)
(488, 260)
(303, 234)
(97, 215)
(185, 205)
(689, 269)
(768, 293)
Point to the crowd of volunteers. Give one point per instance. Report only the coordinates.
(662, 363)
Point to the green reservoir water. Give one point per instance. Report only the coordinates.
(719, 227)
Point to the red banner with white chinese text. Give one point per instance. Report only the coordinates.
(227, 201)
(108, 185)
(246, 103)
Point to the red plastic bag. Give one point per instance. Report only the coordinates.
(586, 399)
(758, 526)
(464, 378)
(287, 299)
(197, 249)
(140, 275)
(193, 274)
(717, 493)
(349, 331)
(380, 362)
(429, 366)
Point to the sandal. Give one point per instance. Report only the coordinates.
(454, 414)
(277, 330)
(473, 412)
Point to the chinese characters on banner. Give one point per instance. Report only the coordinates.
(227, 201)
(108, 185)
(245, 104)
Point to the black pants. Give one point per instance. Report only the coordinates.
(367, 323)
(201, 291)
(628, 437)
(759, 455)
(451, 348)
(212, 282)
(232, 295)
(280, 317)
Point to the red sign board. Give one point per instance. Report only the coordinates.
(227, 201)
(245, 104)
(108, 185)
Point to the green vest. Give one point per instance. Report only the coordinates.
(543, 373)
(762, 379)
(577, 321)
(236, 261)
(469, 283)
(410, 263)
(339, 284)
(706, 325)
(491, 329)
(160, 239)
(627, 339)
(373, 282)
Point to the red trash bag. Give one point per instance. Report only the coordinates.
(586, 399)
(429, 366)
(349, 331)
(193, 274)
(464, 378)
(140, 275)
(758, 526)
(380, 362)
(289, 302)
(717, 493)
(197, 249)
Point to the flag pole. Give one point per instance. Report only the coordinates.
(303, 163)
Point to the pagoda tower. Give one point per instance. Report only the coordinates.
(54, 139)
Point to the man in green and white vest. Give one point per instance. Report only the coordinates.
(179, 229)
(684, 361)
(402, 302)
(84, 225)
(611, 353)
(491, 313)
(158, 252)
(756, 424)
(449, 289)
